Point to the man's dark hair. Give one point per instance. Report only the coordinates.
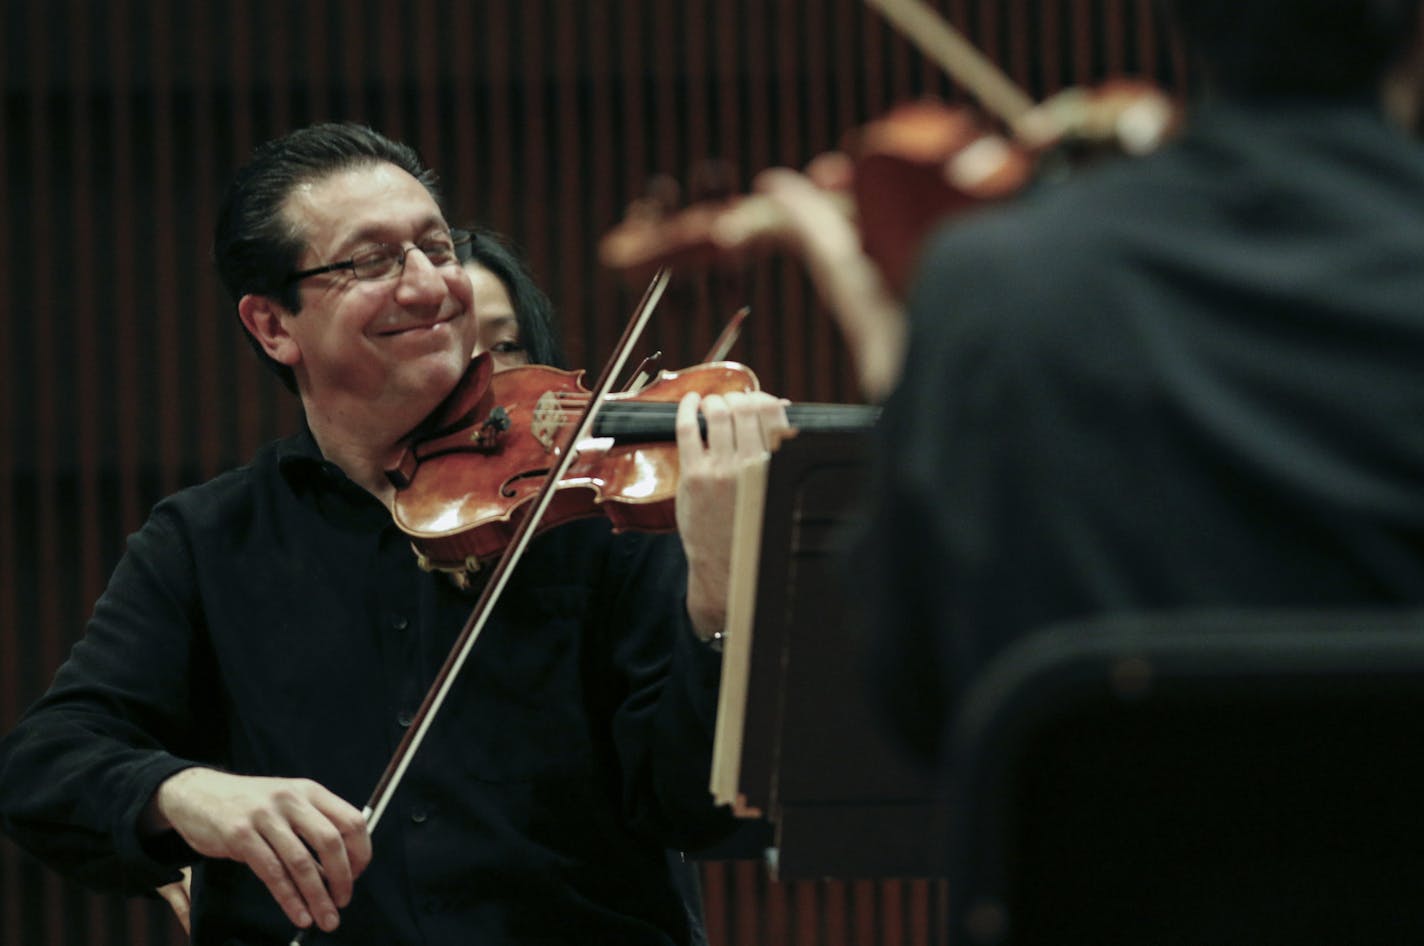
(254, 244)
(1275, 48)
(532, 309)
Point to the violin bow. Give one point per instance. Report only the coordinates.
(435, 697)
(733, 331)
(937, 39)
(1137, 129)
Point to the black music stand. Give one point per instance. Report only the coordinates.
(805, 747)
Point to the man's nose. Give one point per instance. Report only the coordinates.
(419, 279)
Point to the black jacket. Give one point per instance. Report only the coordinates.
(273, 621)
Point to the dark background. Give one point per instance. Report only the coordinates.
(122, 371)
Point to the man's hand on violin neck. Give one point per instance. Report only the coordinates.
(274, 826)
(741, 428)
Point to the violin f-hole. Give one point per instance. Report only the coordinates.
(507, 488)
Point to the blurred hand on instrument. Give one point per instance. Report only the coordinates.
(816, 226)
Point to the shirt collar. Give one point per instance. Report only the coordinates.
(304, 468)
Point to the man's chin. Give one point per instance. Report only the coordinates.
(436, 374)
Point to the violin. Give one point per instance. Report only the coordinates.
(465, 480)
(900, 176)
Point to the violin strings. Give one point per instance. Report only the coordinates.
(651, 418)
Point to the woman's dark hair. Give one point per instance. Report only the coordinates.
(255, 245)
(1296, 47)
(532, 309)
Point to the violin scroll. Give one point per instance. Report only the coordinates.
(1121, 116)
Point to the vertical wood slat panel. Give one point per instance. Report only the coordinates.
(10, 670)
(281, 47)
(989, 34)
(429, 57)
(42, 403)
(696, 322)
(82, 373)
(637, 140)
(237, 78)
(790, 305)
(212, 420)
(1146, 38)
(1049, 38)
(1083, 66)
(355, 105)
(502, 133)
(892, 914)
(764, 337)
(603, 163)
(127, 370)
(661, 52)
(661, 57)
(715, 901)
(464, 116)
(171, 397)
(836, 927)
(569, 210)
(863, 913)
(1115, 37)
(45, 400)
(529, 184)
(808, 915)
(314, 63)
(814, 36)
(722, 293)
(776, 918)
(86, 249)
(1018, 64)
(746, 920)
(392, 18)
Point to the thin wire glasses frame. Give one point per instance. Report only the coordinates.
(385, 260)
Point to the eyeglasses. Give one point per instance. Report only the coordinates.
(385, 260)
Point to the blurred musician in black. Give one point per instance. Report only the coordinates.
(1184, 380)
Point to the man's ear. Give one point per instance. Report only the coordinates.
(263, 317)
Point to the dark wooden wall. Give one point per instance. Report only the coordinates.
(122, 372)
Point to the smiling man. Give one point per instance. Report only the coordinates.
(267, 637)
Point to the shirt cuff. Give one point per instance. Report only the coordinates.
(157, 854)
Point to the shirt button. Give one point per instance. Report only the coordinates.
(419, 815)
(399, 622)
(405, 718)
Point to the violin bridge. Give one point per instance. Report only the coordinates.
(547, 420)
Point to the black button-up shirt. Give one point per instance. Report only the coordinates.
(273, 621)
